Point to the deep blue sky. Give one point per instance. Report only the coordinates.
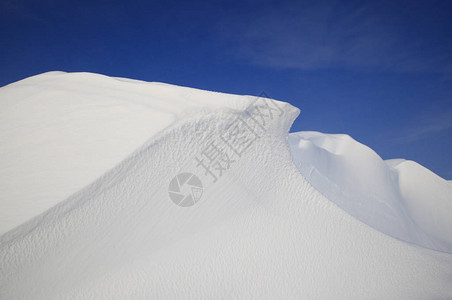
(380, 71)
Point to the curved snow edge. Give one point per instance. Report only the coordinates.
(280, 131)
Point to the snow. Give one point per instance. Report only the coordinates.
(61, 131)
(398, 197)
(85, 210)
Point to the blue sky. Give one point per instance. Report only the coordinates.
(380, 71)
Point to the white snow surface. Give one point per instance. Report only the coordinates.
(61, 131)
(398, 197)
(86, 161)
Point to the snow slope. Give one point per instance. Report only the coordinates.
(398, 197)
(61, 131)
(261, 230)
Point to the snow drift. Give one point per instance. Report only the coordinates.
(398, 197)
(87, 162)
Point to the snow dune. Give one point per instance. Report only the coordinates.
(398, 197)
(61, 131)
(87, 161)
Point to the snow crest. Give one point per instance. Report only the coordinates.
(398, 197)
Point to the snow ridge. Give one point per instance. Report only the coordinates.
(398, 197)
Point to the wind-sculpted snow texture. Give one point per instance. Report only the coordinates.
(98, 222)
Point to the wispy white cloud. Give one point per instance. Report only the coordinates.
(330, 34)
(426, 125)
